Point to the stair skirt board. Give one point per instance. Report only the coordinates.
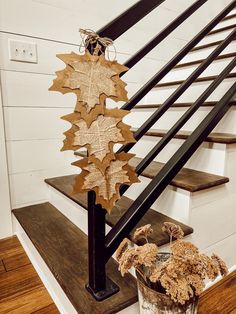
(59, 297)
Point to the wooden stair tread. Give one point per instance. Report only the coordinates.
(63, 247)
(198, 80)
(198, 61)
(65, 186)
(180, 105)
(212, 44)
(215, 137)
(187, 179)
(222, 29)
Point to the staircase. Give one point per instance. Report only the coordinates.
(184, 116)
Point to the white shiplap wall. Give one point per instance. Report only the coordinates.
(31, 113)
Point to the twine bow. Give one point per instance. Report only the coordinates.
(90, 37)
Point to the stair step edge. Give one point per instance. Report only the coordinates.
(187, 179)
(65, 186)
(223, 138)
(179, 105)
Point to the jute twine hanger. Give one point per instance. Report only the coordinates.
(89, 37)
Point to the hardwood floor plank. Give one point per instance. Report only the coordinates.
(2, 268)
(10, 247)
(52, 309)
(16, 261)
(28, 302)
(220, 298)
(18, 282)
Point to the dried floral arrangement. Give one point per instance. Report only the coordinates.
(94, 79)
(181, 276)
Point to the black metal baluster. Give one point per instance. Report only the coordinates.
(141, 205)
(178, 92)
(177, 58)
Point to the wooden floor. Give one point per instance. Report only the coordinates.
(21, 290)
(220, 298)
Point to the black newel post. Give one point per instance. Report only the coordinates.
(99, 285)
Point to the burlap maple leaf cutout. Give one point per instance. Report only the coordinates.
(100, 137)
(93, 79)
(106, 185)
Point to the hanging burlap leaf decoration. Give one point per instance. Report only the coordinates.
(93, 79)
(106, 185)
(100, 137)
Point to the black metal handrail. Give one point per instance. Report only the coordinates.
(178, 92)
(176, 59)
(101, 247)
(127, 19)
(154, 189)
(184, 118)
(163, 34)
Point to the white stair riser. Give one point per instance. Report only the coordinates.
(226, 23)
(214, 221)
(190, 208)
(204, 53)
(225, 250)
(137, 117)
(215, 37)
(159, 95)
(183, 73)
(209, 157)
(74, 212)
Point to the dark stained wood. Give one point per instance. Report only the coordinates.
(222, 29)
(18, 282)
(2, 268)
(180, 105)
(215, 137)
(64, 249)
(27, 302)
(156, 219)
(228, 17)
(50, 309)
(220, 298)
(10, 247)
(198, 61)
(200, 79)
(212, 44)
(16, 261)
(21, 290)
(187, 179)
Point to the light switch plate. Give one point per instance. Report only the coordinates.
(23, 51)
